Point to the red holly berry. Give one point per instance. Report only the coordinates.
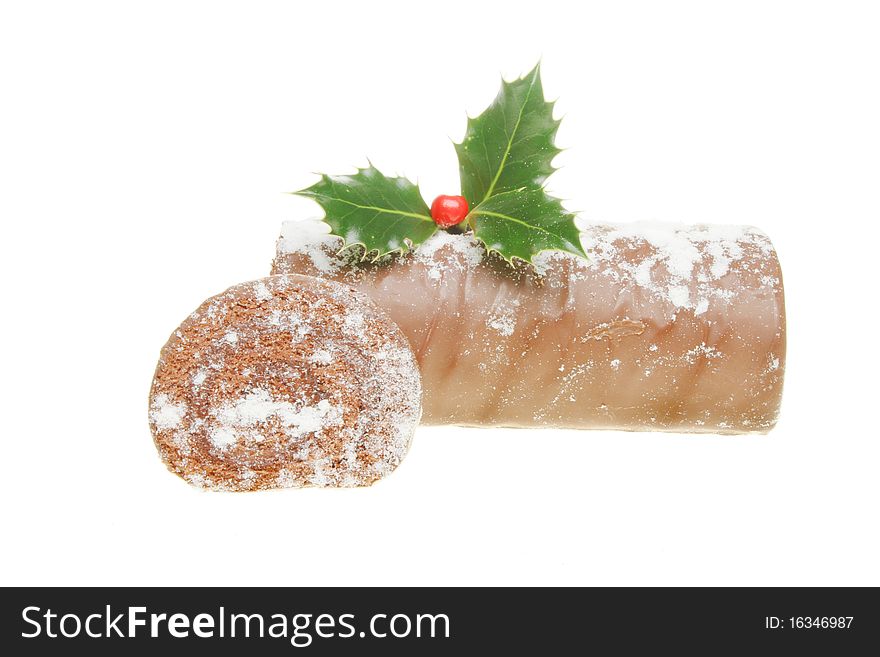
(449, 211)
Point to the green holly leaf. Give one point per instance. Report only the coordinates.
(511, 144)
(523, 222)
(381, 213)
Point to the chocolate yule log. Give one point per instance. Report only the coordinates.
(665, 327)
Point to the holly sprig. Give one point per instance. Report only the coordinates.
(380, 213)
(509, 146)
(504, 161)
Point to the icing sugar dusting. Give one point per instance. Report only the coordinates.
(165, 414)
(544, 261)
(199, 378)
(681, 265)
(502, 317)
(677, 264)
(680, 295)
(312, 238)
(258, 407)
(504, 324)
(444, 250)
(321, 357)
(261, 292)
(221, 437)
(298, 234)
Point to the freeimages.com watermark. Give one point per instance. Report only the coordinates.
(299, 629)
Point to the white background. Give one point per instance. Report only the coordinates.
(145, 149)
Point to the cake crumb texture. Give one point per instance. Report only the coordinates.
(288, 381)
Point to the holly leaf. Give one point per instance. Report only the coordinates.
(511, 144)
(523, 222)
(381, 213)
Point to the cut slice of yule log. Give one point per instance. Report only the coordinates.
(665, 327)
(288, 381)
